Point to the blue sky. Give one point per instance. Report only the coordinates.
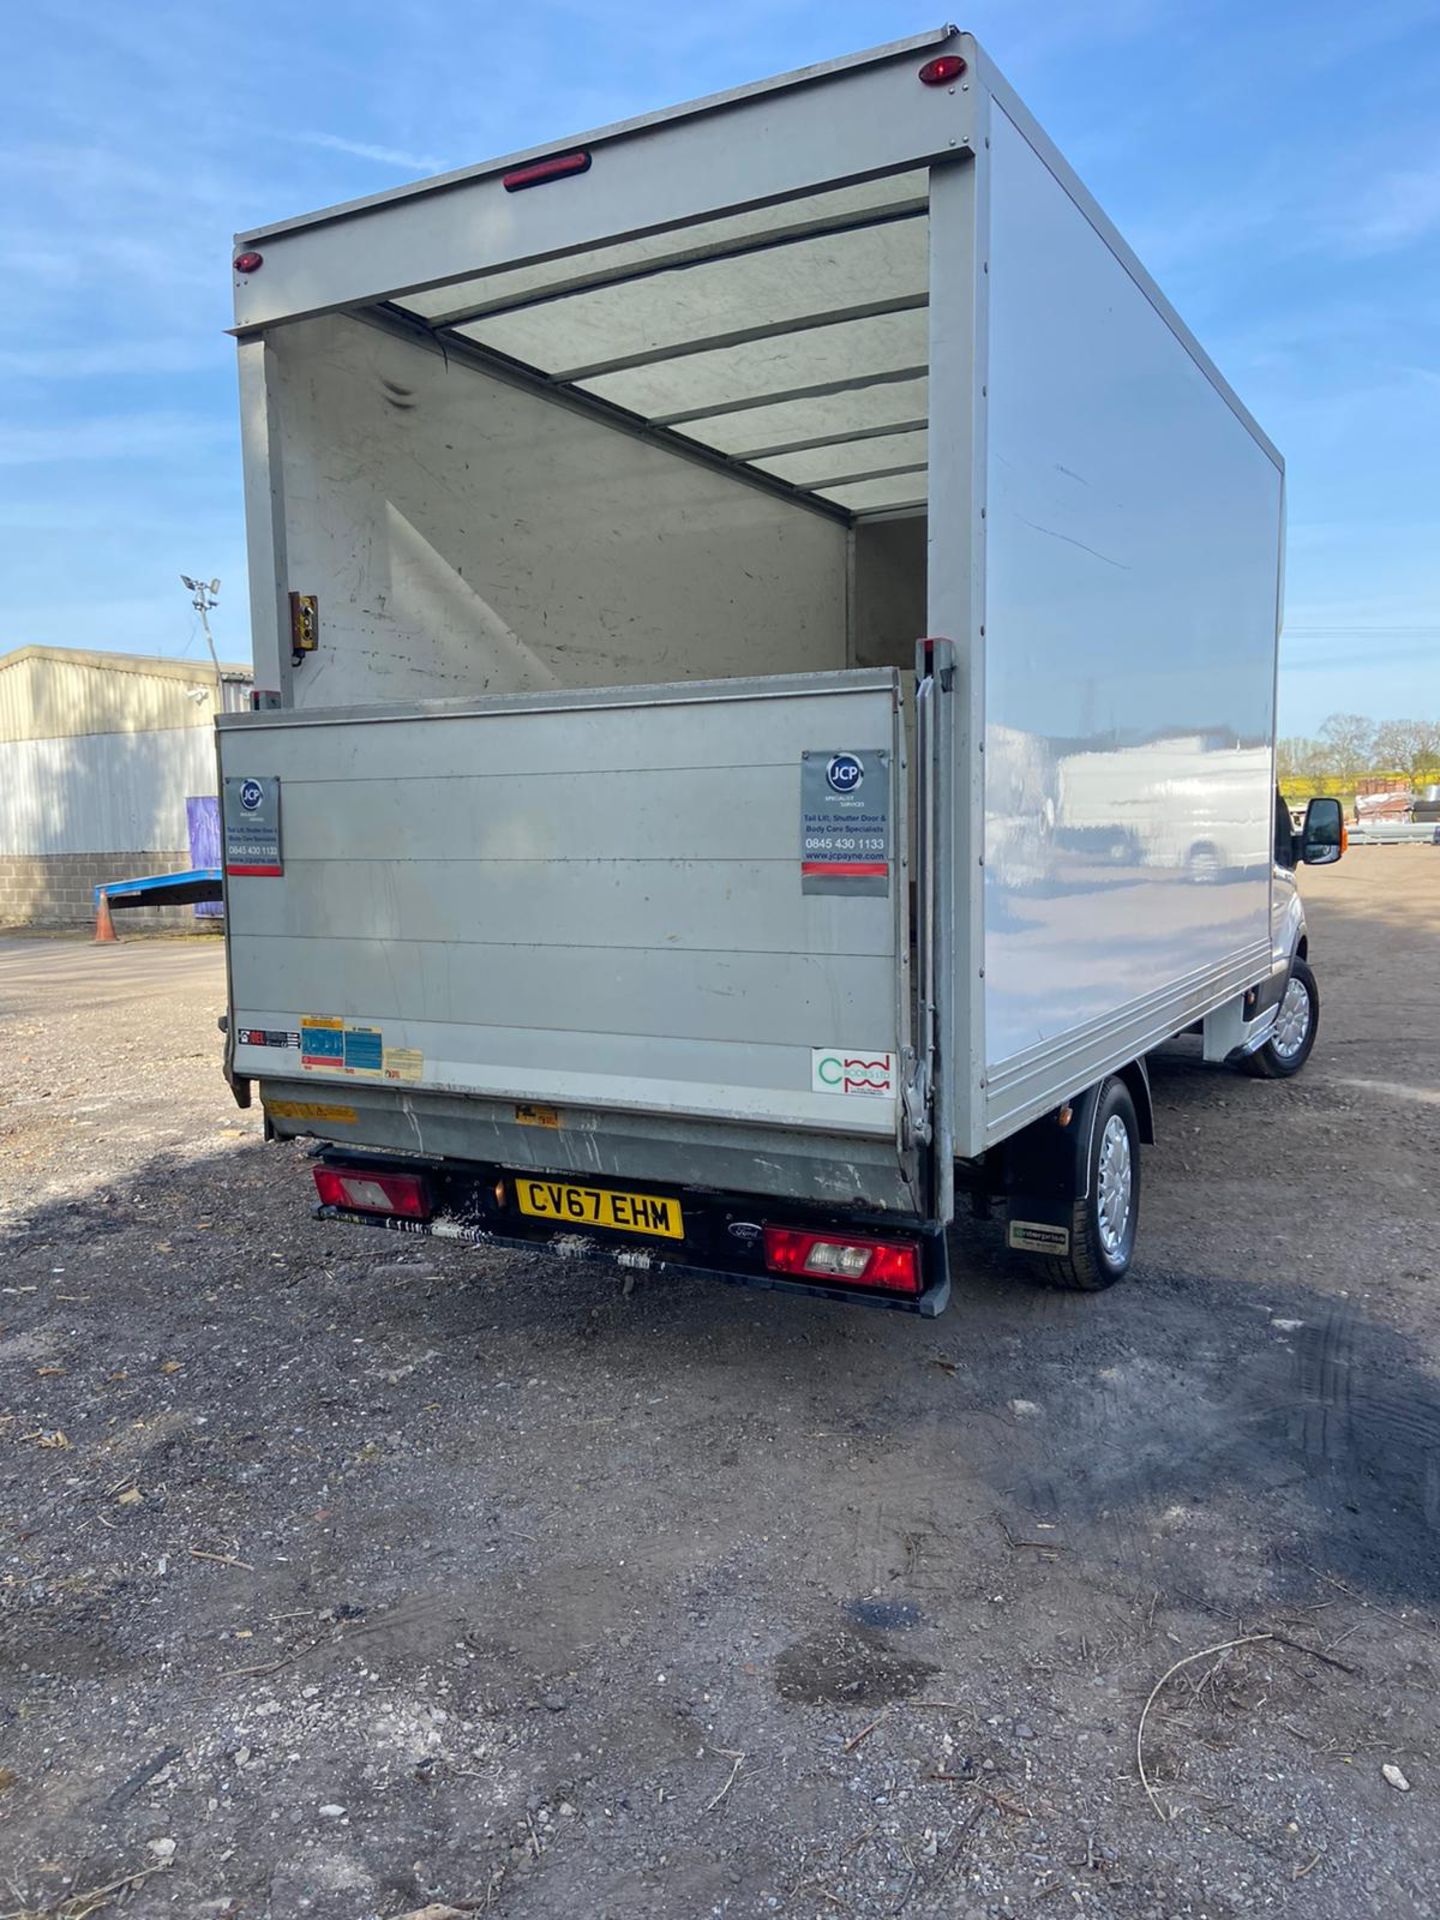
(1276, 165)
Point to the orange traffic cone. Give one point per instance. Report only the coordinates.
(104, 925)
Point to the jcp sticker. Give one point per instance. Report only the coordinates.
(845, 822)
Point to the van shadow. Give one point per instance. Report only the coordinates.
(1288, 1430)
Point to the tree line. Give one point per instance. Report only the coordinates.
(1350, 746)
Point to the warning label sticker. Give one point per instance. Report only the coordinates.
(336, 1046)
(845, 821)
(322, 1043)
(364, 1050)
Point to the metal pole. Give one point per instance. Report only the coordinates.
(205, 597)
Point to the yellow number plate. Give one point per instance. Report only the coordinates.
(600, 1207)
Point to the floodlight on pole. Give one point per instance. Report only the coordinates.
(205, 597)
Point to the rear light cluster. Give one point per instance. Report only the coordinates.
(362, 1191)
(893, 1265)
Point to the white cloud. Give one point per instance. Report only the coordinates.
(384, 156)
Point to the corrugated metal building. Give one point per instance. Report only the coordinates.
(99, 753)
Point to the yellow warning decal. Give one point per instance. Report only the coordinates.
(537, 1116)
(403, 1063)
(311, 1110)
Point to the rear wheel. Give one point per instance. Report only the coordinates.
(1104, 1220)
(1292, 1038)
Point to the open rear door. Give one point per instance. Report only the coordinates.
(645, 930)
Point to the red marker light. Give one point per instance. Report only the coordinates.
(543, 170)
(941, 71)
(248, 262)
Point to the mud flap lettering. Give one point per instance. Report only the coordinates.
(1031, 1236)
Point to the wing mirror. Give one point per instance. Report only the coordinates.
(1322, 838)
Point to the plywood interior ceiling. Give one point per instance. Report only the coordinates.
(791, 338)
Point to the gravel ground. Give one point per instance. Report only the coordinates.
(340, 1576)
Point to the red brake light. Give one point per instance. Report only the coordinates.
(942, 70)
(363, 1190)
(248, 262)
(543, 170)
(892, 1265)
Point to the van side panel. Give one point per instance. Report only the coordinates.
(1130, 636)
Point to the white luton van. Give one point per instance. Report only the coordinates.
(765, 632)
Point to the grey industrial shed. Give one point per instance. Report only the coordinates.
(99, 753)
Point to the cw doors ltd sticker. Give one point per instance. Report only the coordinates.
(847, 1070)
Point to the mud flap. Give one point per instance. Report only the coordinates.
(1047, 1168)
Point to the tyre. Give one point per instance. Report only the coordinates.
(1297, 1021)
(1103, 1223)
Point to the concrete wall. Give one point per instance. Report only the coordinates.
(57, 890)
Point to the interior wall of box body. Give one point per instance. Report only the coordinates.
(464, 535)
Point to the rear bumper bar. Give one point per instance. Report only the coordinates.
(723, 1232)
